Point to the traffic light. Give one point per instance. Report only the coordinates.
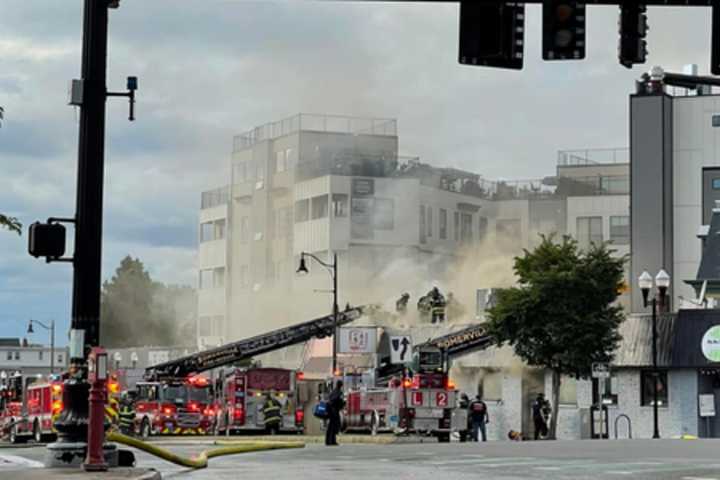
(492, 34)
(633, 30)
(47, 240)
(563, 30)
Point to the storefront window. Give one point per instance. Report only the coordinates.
(647, 382)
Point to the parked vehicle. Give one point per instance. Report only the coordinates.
(29, 406)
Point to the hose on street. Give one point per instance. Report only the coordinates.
(200, 461)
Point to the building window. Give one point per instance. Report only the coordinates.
(60, 358)
(244, 276)
(589, 231)
(9, 355)
(492, 386)
(466, 234)
(17, 355)
(620, 230)
(647, 382)
(340, 205)
(384, 214)
(40, 355)
(456, 225)
(482, 228)
(240, 172)
(206, 232)
(443, 224)
(260, 171)
(716, 120)
(422, 223)
(319, 207)
(605, 392)
(219, 229)
(568, 391)
(280, 161)
(219, 277)
(429, 222)
(290, 160)
(716, 183)
(302, 211)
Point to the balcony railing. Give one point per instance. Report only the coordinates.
(317, 123)
(213, 198)
(597, 156)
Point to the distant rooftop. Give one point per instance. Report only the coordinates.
(10, 342)
(595, 156)
(317, 123)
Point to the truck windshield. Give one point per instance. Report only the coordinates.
(174, 393)
(199, 394)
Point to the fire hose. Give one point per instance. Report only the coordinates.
(200, 461)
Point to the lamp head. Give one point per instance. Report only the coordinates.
(30, 328)
(645, 282)
(302, 269)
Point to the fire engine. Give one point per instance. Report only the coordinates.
(165, 403)
(423, 402)
(29, 406)
(174, 407)
(243, 397)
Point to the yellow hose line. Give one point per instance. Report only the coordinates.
(201, 460)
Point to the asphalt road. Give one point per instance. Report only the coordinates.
(636, 459)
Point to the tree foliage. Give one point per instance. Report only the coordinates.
(11, 223)
(562, 315)
(137, 311)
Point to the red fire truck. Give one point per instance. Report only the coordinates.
(174, 407)
(423, 403)
(243, 396)
(28, 407)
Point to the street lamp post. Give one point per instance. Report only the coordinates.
(51, 328)
(645, 282)
(332, 269)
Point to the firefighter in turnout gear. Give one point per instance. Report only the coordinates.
(271, 412)
(127, 416)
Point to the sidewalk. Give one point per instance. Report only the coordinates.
(79, 474)
(382, 439)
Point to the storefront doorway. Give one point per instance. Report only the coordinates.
(709, 386)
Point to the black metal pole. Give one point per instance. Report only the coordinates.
(335, 313)
(656, 430)
(52, 346)
(73, 422)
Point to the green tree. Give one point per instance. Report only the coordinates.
(562, 316)
(137, 311)
(11, 223)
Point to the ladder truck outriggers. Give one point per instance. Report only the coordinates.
(423, 402)
(233, 407)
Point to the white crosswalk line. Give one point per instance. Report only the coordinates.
(10, 461)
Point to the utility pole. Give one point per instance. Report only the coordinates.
(72, 425)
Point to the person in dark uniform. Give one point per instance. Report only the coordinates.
(479, 417)
(539, 408)
(336, 402)
(126, 416)
(271, 412)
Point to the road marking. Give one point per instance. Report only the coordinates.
(14, 460)
(699, 478)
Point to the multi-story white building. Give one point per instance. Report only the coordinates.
(18, 355)
(336, 185)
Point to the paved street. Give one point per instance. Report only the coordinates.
(639, 459)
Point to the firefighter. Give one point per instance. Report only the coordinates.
(271, 412)
(127, 415)
(336, 402)
(402, 303)
(479, 416)
(540, 413)
(437, 305)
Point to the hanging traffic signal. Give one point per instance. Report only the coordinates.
(563, 30)
(633, 30)
(492, 34)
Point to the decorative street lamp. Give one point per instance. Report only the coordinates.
(51, 328)
(332, 269)
(645, 282)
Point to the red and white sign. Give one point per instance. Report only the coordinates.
(417, 398)
(358, 340)
(441, 399)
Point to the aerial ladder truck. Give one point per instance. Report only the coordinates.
(176, 399)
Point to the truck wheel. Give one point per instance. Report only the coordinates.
(13, 435)
(145, 431)
(443, 437)
(37, 432)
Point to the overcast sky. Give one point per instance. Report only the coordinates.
(211, 68)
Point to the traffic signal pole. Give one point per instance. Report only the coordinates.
(72, 425)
